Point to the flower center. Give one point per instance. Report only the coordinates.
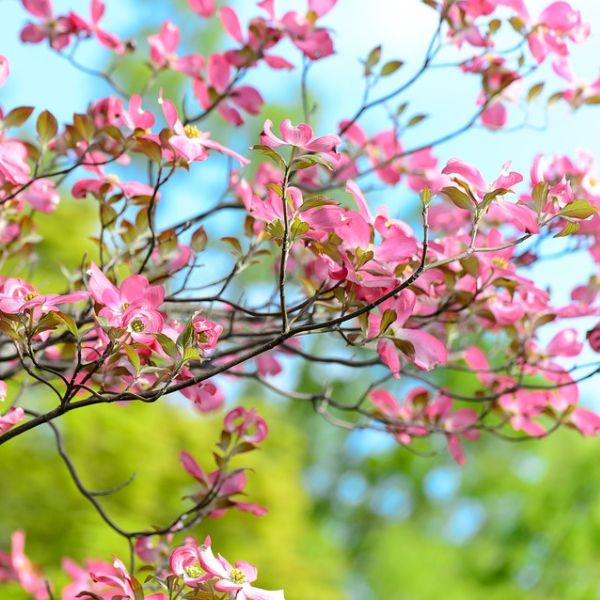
(193, 571)
(30, 296)
(500, 262)
(137, 325)
(237, 576)
(191, 132)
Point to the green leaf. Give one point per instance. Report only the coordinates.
(569, 228)
(149, 148)
(415, 120)
(133, 357)
(539, 196)
(69, 322)
(491, 196)
(167, 344)
(191, 353)
(199, 240)
(317, 202)
(517, 24)
(17, 116)
(458, 197)
(578, 209)
(373, 58)
(391, 67)
(46, 127)
(535, 91)
(425, 197)
(234, 243)
(298, 228)
(310, 160)
(388, 317)
(186, 336)
(270, 153)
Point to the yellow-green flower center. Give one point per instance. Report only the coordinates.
(500, 262)
(137, 326)
(237, 576)
(193, 571)
(191, 131)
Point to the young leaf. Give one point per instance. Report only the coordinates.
(457, 197)
(391, 67)
(46, 127)
(578, 209)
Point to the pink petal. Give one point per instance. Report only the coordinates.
(389, 355)
(4, 70)
(231, 23)
(204, 8)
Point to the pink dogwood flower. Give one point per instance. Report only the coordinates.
(11, 418)
(249, 426)
(557, 22)
(206, 396)
(58, 30)
(188, 142)
(13, 161)
(236, 580)
(127, 587)
(21, 570)
(163, 51)
(226, 487)
(17, 296)
(207, 332)
(133, 305)
(301, 137)
(203, 8)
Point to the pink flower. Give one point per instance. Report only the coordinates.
(81, 580)
(557, 22)
(18, 296)
(163, 51)
(593, 337)
(142, 322)
(185, 563)
(206, 396)
(108, 40)
(58, 30)
(565, 343)
(247, 424)
(586, 421)
(23, 571)
(13, 162)
(127, 586)
(204, 8)
(100, 188)
(301, 137)
(4, 70)
(235, 580)
(41, 195)
(314, 42)
(389, 355)
(12, 417)
(3, 390)
(473, 178)
(207, 332)
(188, 142)
(132, 306)
(226, 486)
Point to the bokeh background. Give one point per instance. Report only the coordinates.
(351, 516)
